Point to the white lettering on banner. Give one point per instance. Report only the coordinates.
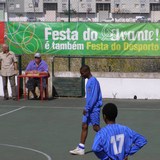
(132, 35)
(106, 35)
(116, 35)
(90, 35)
(68, 46)
(61, 35)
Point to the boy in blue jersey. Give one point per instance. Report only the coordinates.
(115, 141)
(91, 112)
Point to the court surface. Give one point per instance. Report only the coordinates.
(36, 130)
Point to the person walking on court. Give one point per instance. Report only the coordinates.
(8, 62)
(91, 112)
(116, 141)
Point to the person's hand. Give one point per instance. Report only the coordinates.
(34, 71)
(84, 112)
(16, 72)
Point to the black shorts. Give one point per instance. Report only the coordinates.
(35, 82)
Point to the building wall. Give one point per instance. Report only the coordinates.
(2, 11)
(121, 10)
(128, 6)
(124, 85)
(16, 7)
(136, 6)
(30, 8)
(50, 1)
(144, 86)
(155, 16)
(78, 6)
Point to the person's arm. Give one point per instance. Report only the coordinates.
(138, 142)
(97, 148)
(15, 63)
(29, 69)
(44, 68)
(92, 96)
(15, 66)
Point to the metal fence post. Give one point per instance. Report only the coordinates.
(20, 72)
(83, 80)
(69, 10)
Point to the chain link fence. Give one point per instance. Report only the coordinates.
(104, 64)
(80, 10)
(97, 64)
(87, 11)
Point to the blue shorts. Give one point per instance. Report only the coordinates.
(92, 118)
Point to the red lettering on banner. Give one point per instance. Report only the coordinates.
(1, 32)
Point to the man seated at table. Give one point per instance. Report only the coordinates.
(36, 66)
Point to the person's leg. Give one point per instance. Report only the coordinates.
(44, 85)
(5, 89)
(13, 87)
(84, 133)
(34, 93)
(80, 150)
(95, 120)
(31, 85)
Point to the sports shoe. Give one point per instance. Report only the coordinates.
(6, 98)
(77, 151)
(14, 98)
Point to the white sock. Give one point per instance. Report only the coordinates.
(82, 146)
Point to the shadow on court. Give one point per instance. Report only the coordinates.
(36, 130)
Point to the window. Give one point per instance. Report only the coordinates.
(155, 7)
(102, 7)
(30, 5)
(36, 3)
(89, 5)
(83, 5)
(123, 6)
(143, 6)
(11, 6)
(136, 5)
(17, 5)
(143, 1)
(64, 7)
(1, 6)
(117, 5)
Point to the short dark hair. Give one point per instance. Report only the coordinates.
(85, 67)
(110, 111)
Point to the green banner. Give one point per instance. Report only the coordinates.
(110, 39)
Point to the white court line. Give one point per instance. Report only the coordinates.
(140, 109)
(30, 149)
(12, 111)
(79, 108)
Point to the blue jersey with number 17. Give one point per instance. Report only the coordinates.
(115, 142)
